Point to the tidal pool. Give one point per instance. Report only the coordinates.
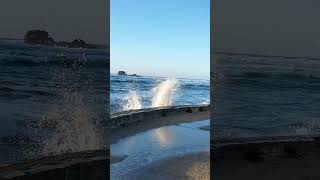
(158, 144)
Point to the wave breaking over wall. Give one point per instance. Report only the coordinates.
(162, 95)
(70, 124)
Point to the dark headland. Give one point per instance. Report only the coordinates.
(43, 38)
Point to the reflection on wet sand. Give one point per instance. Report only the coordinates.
(163, 144)
(163, 136)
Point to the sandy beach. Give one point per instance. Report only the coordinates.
(190, 167)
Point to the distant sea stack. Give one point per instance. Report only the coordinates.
(38, 37)
(42, 37)
(122, 73)
(78, 43)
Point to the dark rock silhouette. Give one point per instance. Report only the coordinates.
(38, 37)
(134, 75)
(122, 73)
(43, 38)
(78, 43)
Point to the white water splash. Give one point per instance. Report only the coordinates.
(75, 129)
(73, 116)
(131, 101)
(163, 93)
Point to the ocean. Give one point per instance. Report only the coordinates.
(48, 94)
(259, 96)
(139, 92)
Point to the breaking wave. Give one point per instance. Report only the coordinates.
(162, 95)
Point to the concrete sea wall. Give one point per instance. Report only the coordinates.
(87, 165)
(123, 119)
(94, 165)
(259, 149)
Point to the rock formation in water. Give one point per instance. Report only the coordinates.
(122, 73)
(43, 38)
(78, 43)
(38, 37)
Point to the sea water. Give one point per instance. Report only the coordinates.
(138, 92)
(266, 96)
(51, 99)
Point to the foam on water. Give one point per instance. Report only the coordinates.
(75, 129)
(162, 95)
(71, 117)
(164, 92)
(74, 118)
(129, 93)
(50, 103)
(131, 101)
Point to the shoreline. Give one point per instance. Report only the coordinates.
(294, 157)
(192, 165)
(155, 118)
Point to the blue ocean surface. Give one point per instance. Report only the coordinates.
(138, 92)
(49, 93)
(266, 96)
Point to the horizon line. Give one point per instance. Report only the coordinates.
(266, 55)
(105, 45)
(208, 78)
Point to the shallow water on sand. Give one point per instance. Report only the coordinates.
(158, 144)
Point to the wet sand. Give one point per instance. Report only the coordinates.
(194, 166)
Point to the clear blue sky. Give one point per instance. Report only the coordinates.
(169, 38)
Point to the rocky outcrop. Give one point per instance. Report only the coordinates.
(78, 43)
(122, 73)
(38, 37)
(43, 38)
